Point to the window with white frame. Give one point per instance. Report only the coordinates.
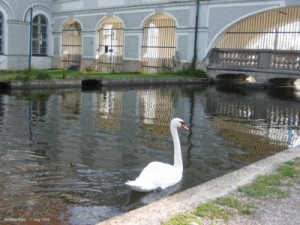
(39, 35)
(1, 33)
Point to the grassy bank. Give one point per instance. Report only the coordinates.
(245, 200)
(72, 74)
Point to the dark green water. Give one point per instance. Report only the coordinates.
(65, 154)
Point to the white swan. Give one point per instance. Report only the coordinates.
(158, 175)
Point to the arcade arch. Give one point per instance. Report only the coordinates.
(71, 45)
(158, 44)
(110, 48)
(274, 30)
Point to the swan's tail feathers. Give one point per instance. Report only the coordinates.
(137, 186)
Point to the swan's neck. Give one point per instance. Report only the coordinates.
(177, 150)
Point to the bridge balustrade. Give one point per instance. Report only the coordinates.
(239, 59)
(286, 60)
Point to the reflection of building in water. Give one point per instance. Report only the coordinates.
(109, 109)
(156, 107)
(235, 108)
(294, 138)
(284, 120)
(70, 105)
(241, 134)
(262, 128)
(148, 105)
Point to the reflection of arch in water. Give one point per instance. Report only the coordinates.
(71, 45)
(156, 107)
(278, 129)
(70, 104)
(276, 29)
(109, 109)
(110, 48)
(159, 44)
(293, 137)
(148, 106)
(275, 129)
(241, 134)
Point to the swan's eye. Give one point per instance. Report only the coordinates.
(183, 125)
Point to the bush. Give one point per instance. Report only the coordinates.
(192, 72)
(187, 69)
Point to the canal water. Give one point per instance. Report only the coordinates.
(66, 154)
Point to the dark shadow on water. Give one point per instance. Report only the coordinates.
(232, 88)
(284, 93)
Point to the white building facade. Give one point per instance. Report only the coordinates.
(118, 35)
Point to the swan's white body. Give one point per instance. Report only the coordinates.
(158, 175)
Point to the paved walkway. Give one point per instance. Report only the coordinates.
(188, 200)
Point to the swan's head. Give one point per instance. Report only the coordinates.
(178, 123)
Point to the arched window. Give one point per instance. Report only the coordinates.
(39, 35)
(1, 33)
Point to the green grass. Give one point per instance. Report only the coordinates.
(212, 211)
(264, 186)
(182, 219)
(289, 169)
(271, 185)
(243, 208)
(33, 74)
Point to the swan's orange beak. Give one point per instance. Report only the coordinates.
(184, 126)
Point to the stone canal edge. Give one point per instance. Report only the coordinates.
(94, 83)
(186, 201)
